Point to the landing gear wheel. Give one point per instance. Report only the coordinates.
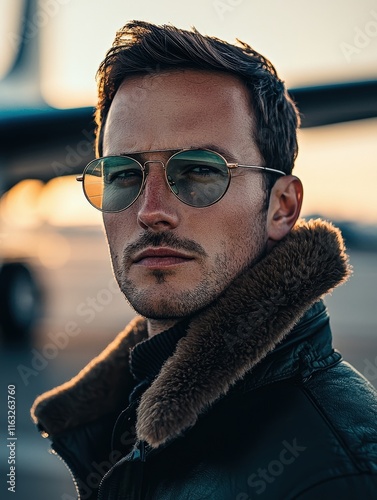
(20, 303)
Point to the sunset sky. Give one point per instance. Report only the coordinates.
(309, 43)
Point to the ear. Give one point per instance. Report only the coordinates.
(284, 207)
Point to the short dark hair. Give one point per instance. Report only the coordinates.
(143, 48)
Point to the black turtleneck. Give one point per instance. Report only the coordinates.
(147, 357)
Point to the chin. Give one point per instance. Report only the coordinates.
(160, 313)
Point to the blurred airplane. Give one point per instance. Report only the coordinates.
(32, 134)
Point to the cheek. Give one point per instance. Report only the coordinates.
(240, 221)
(241, 206)
(109, 223)
(117, 228)
(230, 227)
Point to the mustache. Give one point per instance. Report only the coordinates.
(164, 239)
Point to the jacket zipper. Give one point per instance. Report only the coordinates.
(54, 452)
(111, 487)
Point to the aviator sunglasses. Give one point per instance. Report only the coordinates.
(197, 177)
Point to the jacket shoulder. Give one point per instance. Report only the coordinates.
(351, 486)
(321, 437)
(348, 403)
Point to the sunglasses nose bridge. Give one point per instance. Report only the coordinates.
(146, 171)
(145, 166)
(153, 161)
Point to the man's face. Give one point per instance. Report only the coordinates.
(171, 259)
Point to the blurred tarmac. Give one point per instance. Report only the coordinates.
(83, 298)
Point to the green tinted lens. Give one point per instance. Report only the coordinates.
(113, 183)
(198, 178)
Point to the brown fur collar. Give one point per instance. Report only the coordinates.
(261, 307)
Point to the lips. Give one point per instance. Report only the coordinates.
(160, 257)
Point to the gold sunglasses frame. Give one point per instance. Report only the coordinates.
(231, 166)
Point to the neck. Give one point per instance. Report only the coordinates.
(156, 326)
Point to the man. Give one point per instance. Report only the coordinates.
(233, 390)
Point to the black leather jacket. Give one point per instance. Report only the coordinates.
(299, 424)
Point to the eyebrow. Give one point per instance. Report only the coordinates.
(223, 151)
(138, 155)
(213, 147)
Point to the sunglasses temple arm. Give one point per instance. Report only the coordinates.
(257, 167)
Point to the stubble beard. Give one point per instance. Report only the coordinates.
(173, 305)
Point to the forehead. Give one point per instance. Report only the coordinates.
(176, 109)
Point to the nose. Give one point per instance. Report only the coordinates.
(157, 206)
